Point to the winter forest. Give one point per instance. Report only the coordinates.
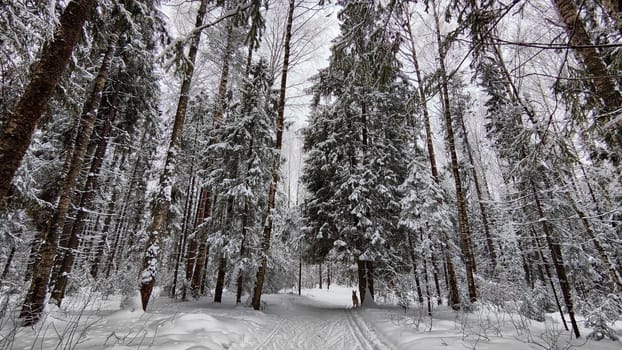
(222, 170)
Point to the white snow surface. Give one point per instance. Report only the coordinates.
(319, 319)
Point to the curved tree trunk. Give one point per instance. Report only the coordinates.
(19, 128)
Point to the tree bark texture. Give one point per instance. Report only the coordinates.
(604, 84)
(20, 126)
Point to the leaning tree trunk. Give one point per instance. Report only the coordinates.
(454, 295)
(463, 222)
(157, 228)
(480, 200)
(558, 262)
(547, 270)
(35, 299)
(7, 264)
(19, 128)
(88, 194)
(603, 83)
(267, 230)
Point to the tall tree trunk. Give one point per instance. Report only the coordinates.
(480, 199)
(604, 84)
(240, 281)
(122, 216)
(220, 278)
(463, 222)
(199, 269)
(157, 228)
(193, 250)
(320, 273)
(362, 275)
(452, 285)
(267, 231)
(413, 261)
(88, 194)
(20, 126)
(7, 264)
(300, 276)
(183, 237)
(35, 299)
(99, 249)
(328, 277)
(558, 262)
(224, 77)
(549, 277)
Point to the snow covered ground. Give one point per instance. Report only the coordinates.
(319, 319)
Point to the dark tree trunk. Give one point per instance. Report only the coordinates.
(157, 228)
(220, 279)
(480, 199)
(240, 281)
(88, 194)
(547, 269)
(362, 276)
(267, 232)
(558, 262)
(452, 283)
(604, 83)
(413, 261)
(7, 265)
(300, 276)
(199, 270)
(33, 304)
(20, 126)
(463, 222)
(328, 277)
(183, 238)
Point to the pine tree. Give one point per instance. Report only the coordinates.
(353, 172)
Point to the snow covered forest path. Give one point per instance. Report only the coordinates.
(319, 319)
(304, 323)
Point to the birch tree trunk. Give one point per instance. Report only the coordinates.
(159, 217)
(20, 126)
